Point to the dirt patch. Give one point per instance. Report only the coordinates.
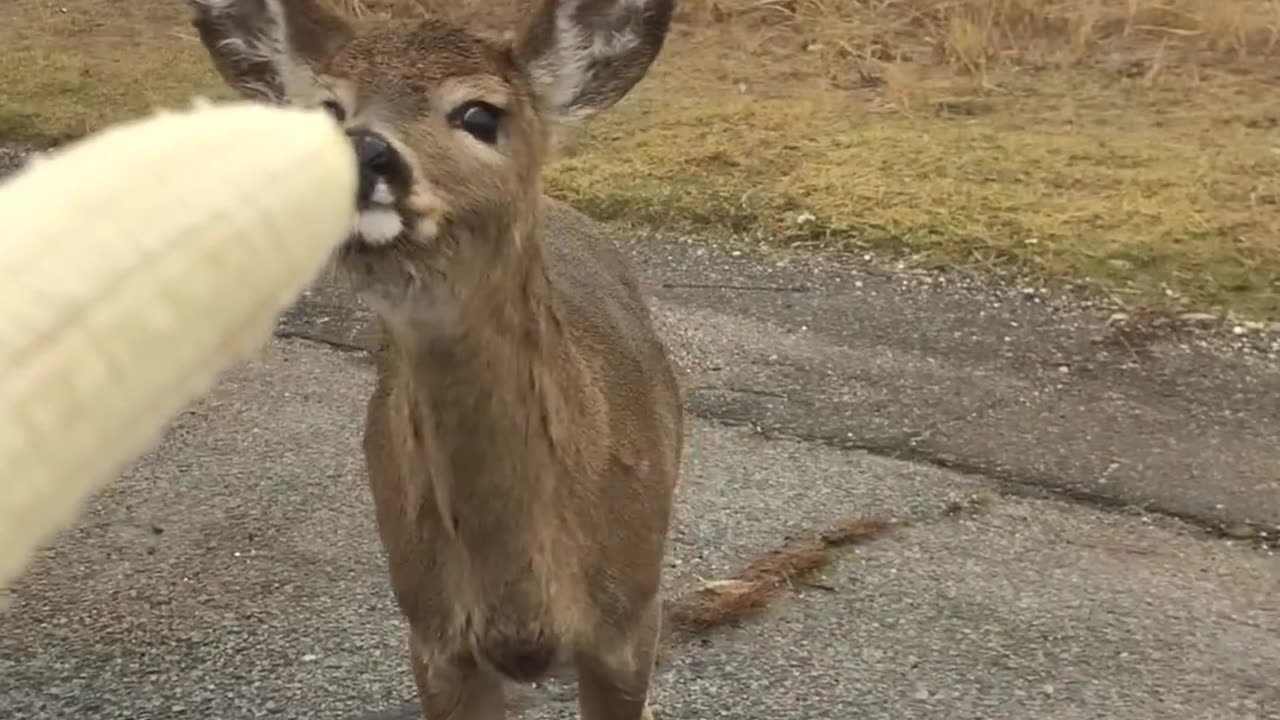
(13, 156)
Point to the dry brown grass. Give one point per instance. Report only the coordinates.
(1130, 143)
(973, 35)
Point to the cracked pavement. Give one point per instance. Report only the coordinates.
(1123, 565)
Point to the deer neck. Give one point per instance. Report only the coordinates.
(479, 392)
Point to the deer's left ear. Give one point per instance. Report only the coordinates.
(267, 49)
(585, 55)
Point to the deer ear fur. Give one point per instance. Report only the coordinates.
(584, 55)
(268, 49)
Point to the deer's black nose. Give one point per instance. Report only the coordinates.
(376, 160)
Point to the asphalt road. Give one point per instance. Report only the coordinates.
(234, 572)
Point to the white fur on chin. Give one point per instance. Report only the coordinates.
(379, 225)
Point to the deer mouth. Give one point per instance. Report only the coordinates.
(383, 178)
(378, 221)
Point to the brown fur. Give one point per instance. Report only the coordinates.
(524, 440)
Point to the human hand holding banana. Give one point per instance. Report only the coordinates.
(135, 266)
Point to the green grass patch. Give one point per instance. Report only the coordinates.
(1179, 210)
(17, 127)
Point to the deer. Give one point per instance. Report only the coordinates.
(524, 438)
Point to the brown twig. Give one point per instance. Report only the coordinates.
(723, 602)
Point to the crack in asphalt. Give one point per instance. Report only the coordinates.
(320, 339)
(904, 447)
(1028, 485)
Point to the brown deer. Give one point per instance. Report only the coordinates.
(524, 440)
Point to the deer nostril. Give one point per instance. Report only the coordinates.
(376, 161)
(372, 151)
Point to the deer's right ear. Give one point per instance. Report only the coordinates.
(266, 48)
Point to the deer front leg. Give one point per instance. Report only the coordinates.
(613, 683)
(458, 690)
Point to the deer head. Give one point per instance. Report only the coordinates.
(450, 127)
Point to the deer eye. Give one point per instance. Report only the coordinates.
(334, 108)
(480, 119)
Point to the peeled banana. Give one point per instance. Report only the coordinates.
(135, 266)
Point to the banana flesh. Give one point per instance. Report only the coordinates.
(135, 266)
